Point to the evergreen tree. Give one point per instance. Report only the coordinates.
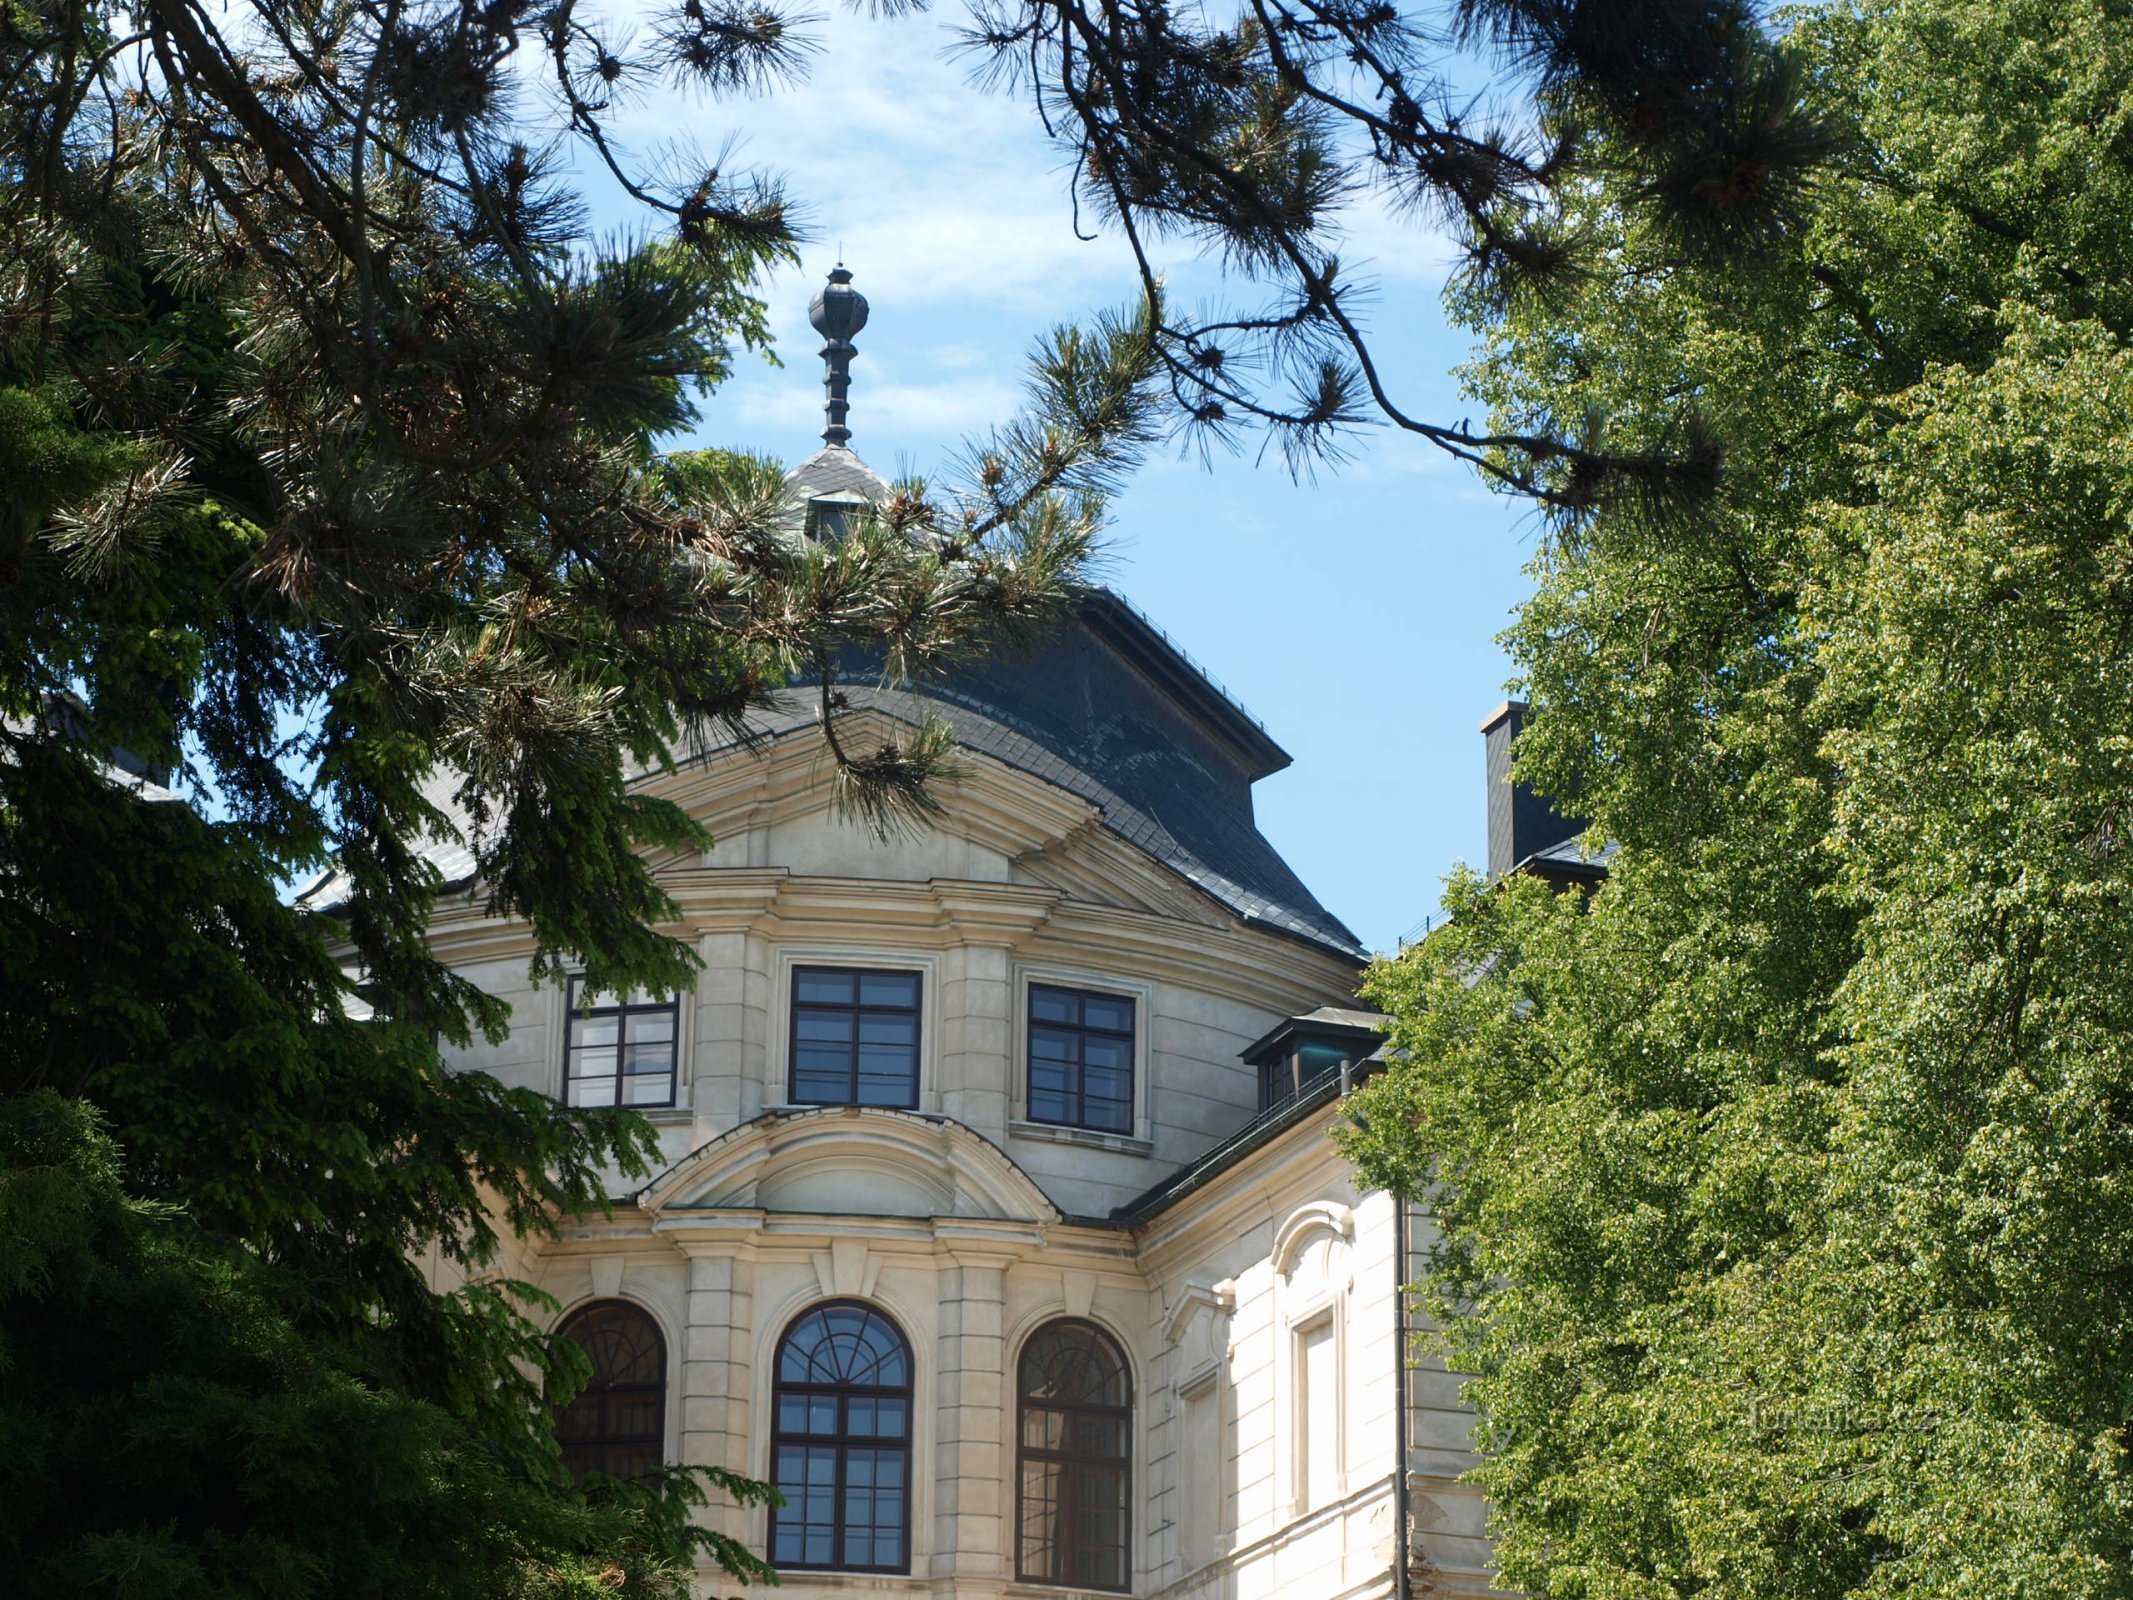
(1786, 1182)
(1255, 133)
(333, 512)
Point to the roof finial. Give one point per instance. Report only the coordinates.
(838, 311)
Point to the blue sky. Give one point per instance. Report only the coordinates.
(1356, 616)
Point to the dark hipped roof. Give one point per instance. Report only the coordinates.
(1108, 709)
(1077, 714)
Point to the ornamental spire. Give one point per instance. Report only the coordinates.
(838, 311)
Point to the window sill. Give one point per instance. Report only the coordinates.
(1088, 1138)
(786, 1108)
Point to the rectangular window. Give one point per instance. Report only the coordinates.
(1080, 1059)
(1277, 1081)
(620, 1052)
(854, 1037)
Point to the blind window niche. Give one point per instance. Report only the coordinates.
(616, 1424)
(855, 1037)
(620, 1052)
(1074, 1460)
(1202, 1525)
(1317, 1414)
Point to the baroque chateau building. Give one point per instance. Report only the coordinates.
(999, 1224)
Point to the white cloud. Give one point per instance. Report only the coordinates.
(947, 195)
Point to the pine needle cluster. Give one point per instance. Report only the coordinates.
(1256, 135)
(334, 527)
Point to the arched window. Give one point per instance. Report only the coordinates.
(1075, 1458)
(617, 1422)
(841, 1442)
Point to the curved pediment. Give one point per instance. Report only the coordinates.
(853, 1161)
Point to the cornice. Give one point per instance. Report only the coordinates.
(1247, 1195)
(1258, 969)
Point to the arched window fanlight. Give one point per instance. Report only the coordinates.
(841, 1442)
(1074, 1459)
(617, 1423)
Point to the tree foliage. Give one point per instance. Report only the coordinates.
(1258, 134)
(149, 1362)
(1786, 1182)
(326, 145)
(335, 526)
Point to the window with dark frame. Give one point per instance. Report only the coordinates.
(855, 1037)
(620, 1052)
(616, 1424)
(841, 1442)
(1080, 1058)
(1277, 1080)
(1073, 1459)
(1303, 1068)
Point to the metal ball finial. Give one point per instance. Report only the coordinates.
(837, 312)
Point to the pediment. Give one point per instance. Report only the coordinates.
(769, 805)
(851, 1161)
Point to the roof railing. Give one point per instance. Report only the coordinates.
(1187, 657)
(1322, 1087)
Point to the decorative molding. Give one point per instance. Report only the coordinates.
(960, 1173)
(607, 1276)
(1094, 892)
(1218, 1299)
(1319, 1216)
(848, 1269)
(1078, 1291)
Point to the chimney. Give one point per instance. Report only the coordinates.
(1521, 823)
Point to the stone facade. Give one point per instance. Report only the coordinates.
(1255, 1305)
(1151, 1349)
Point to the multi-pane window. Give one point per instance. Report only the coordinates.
(616, 1424)
(841, 1442)
(1297, 1071)
(1074, 1458)
(1080, 1058)
(620, 1052)
(854, 1037)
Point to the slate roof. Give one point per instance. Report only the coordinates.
(836, 470)
(1073, 717)
(1108, 709)
(1570, 860)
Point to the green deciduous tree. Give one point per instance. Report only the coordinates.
(1787, 1181)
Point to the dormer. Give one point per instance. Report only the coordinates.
(1303, 1052)
(831, 516)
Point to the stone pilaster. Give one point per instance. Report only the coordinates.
(716, 1373)
(971, 1459)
